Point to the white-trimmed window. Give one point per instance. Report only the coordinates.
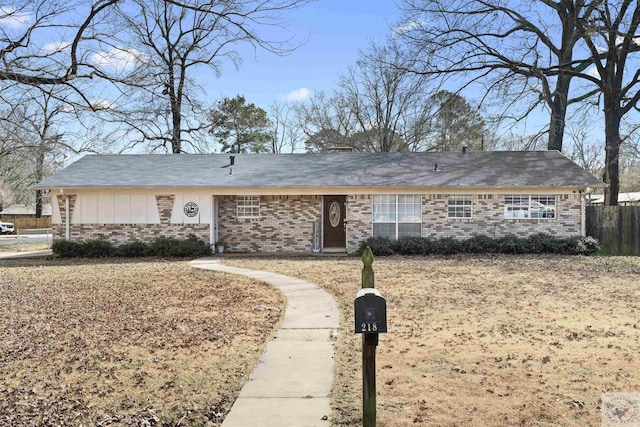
(248, 206)
(530, 207)
(397, 215)
(460, 207)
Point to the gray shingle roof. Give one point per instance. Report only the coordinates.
(504, 169)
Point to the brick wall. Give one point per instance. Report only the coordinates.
(285, 224)
(359, 227)
(122, 233)
(488, 218)
(165, 206)
(58, 231)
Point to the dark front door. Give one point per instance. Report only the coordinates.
(335, 235)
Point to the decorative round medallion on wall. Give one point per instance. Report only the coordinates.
(191, 209)
(334, 214)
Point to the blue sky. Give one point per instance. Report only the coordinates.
(334, 30)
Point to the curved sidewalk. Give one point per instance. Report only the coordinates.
(290, 386)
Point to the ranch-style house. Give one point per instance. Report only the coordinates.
(328, 202)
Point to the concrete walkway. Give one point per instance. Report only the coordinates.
(290, 386)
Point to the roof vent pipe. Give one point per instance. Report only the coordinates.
(436, 168)
(464, 149)
(232, 160)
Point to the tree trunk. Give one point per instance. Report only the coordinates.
(176, 143)
(39, 176)
(558, 113)
(612, 149)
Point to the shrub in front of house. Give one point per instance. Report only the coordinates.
(134, 249)
(583, 245)
(169, 247)
(67, 249)
(447, 246)
(481, 244)
(97, 248)
(162, 246)
(190, 247)
(511, 244)
(380, 246)
(413, 246)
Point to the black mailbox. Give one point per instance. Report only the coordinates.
(370, 312)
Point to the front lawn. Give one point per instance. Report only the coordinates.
(120, 343)
(486, 341)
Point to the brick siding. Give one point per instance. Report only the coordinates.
(488, 218)
(359, 227)
(285, 224)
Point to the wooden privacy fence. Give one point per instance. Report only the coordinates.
(26, 223)
(617, 228)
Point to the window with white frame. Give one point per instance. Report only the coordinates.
(248, 206)
(460, 207)
(397, 215)
(530, 207)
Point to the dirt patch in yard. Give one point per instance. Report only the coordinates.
(531, 341)
(119, 343)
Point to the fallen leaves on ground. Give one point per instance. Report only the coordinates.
(495, 340)
(125, 343)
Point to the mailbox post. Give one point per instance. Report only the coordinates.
(370, 310)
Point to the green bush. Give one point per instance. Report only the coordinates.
(97, 248)
(479, 244)
(162, 246)
(540, 243)
(511, 244)
(447, 246)
(413, 246)
(583, 245)
(132, 250)
(190, 247)
(67, 249)
(380, 246)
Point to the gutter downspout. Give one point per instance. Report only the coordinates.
(583, 214)
(67, 228)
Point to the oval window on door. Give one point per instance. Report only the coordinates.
(334, 214)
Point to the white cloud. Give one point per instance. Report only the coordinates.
(298, 95)
(10, 17)
(102, 104)
(405, 28)
(593, 71)
(55, 47)
(119, 59)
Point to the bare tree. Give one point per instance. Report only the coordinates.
(387, 102)
(173, 41)
(35, 144)
(24, 23)
(520, 52)
(611, 37)
(284, 130)
(325, 123)
(582, 148)
(378, 107)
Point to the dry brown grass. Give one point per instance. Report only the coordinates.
(486, 341)
(117, 343)
(24, 247)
